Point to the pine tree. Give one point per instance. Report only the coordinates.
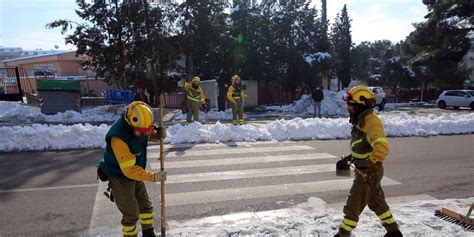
(342, 42)
(202, 36)
(440, 43)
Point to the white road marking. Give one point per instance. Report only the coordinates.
(251, 173)
(241, 160)
(231, 151)
(210, 196)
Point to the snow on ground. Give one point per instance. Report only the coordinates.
(315, 218)
(56, 137)
(15, 113)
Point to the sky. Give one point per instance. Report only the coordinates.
(22, 22)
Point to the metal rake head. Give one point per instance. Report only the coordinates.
(444, 217)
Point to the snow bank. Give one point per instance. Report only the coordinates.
(15, 113)
(51, 137)
(56, 137)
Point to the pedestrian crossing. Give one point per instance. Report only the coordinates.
(212, 179)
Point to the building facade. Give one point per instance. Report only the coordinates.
(63, 64)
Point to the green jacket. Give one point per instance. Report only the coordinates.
(122, 130)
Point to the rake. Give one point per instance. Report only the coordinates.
(451, 216)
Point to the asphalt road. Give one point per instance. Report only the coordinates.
(53, 193)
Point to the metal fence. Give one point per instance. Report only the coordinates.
(11, 83)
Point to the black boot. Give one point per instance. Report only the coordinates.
(149, 233)
(396, 233)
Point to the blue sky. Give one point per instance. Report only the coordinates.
(22, 22)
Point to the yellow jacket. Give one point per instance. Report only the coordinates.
(233, 94)
(368, 138)
(127, 160)
(192, 93)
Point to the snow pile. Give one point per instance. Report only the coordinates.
(316, 128)
(51, 137)
(431, 125)
(315, 218)
(15, 113)
(331, 105)
(107, 113)
(55, 137)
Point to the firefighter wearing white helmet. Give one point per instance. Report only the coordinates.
(369, 148)
(235, 96)
(124, 163)
(194, 98)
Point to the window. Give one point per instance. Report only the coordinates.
(450, 93)
(460, 93)
(45, 70)
(471, 93)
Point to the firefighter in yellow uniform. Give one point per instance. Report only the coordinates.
(194, 98)
(369, 148)
(235, 96)
(124, 165)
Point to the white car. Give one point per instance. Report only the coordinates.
(379, 96)
(456, 99)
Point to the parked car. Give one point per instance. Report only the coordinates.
(456, 99)
(379, 96)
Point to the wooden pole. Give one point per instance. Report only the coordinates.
(162, 168)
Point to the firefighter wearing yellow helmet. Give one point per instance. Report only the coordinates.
(369, 148)
(124, 163)
(235, 96)
(194, 98)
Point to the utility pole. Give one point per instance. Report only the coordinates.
(324, 21)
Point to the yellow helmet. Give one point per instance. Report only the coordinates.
(235, 78)
(360, 95)
(196, 79)
(140, 116)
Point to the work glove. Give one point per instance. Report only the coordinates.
(371, 173)
(160, 176)
(160, 132)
